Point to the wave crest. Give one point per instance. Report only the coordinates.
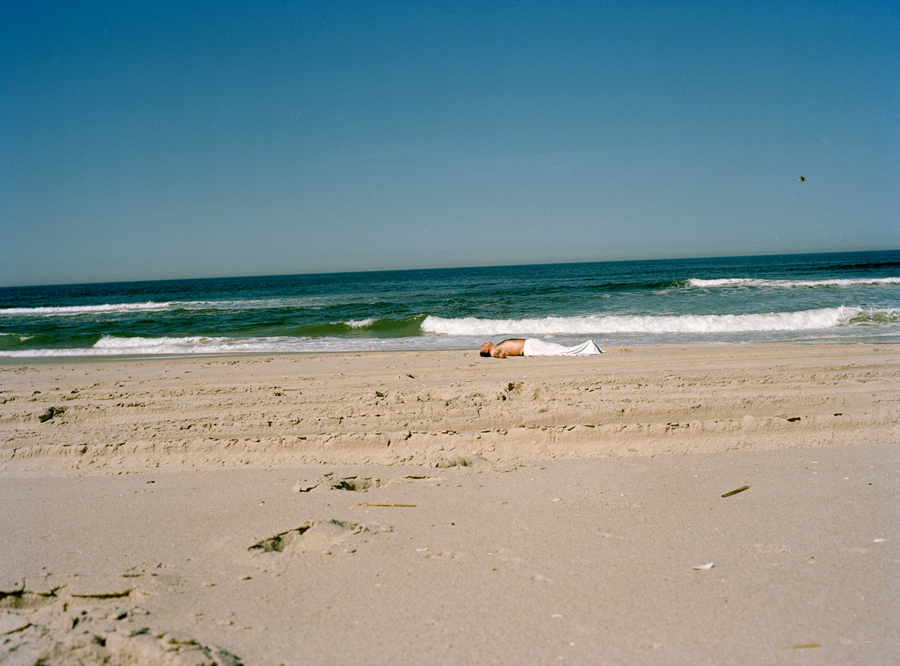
(660, 324)
(787, 284)
(86, 309)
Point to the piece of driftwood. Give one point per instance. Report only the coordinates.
(378, 504)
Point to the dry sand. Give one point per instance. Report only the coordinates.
(443, 508)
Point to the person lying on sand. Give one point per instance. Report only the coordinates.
(533, 347)
(509, 347)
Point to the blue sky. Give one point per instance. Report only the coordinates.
(162, 139)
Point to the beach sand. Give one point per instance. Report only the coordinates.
(437, 507)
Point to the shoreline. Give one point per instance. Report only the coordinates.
(826, 342)
(471, 351)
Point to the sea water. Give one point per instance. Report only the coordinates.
(841, 297)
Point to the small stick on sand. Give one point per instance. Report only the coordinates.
(376, 504)
(735, 491)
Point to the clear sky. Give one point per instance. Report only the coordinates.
(150, 140)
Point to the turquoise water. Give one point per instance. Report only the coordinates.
(825, 297)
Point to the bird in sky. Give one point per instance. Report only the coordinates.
(802, 179)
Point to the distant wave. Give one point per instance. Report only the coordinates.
(361, 323)
(86, 309)
(661, 324)
(114, 308)
(788, 284)
(310, 303)
(370, 326)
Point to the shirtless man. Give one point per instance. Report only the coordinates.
(510, 347)
(535, 347)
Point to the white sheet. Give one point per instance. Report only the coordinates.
(535, 347)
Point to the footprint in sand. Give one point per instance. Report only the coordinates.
(326, 482)
(312, 537)
(60, 637)
(356, 483)
(74, 590)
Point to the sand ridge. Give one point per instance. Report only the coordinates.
(422, 407)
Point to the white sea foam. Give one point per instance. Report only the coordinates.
(196, 345)
(788, 284)
(311, 303)
(86, 309)
(140, 346)
(361, 323)
(110, 345)
(601, 324)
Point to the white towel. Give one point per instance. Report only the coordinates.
(535, 347)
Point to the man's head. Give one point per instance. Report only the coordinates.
(486, 348)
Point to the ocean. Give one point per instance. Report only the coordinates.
(838, 297)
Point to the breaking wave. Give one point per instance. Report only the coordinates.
(788, 284)
(662, 324)
(86, 309)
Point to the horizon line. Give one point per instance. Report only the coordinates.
(437, 268)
